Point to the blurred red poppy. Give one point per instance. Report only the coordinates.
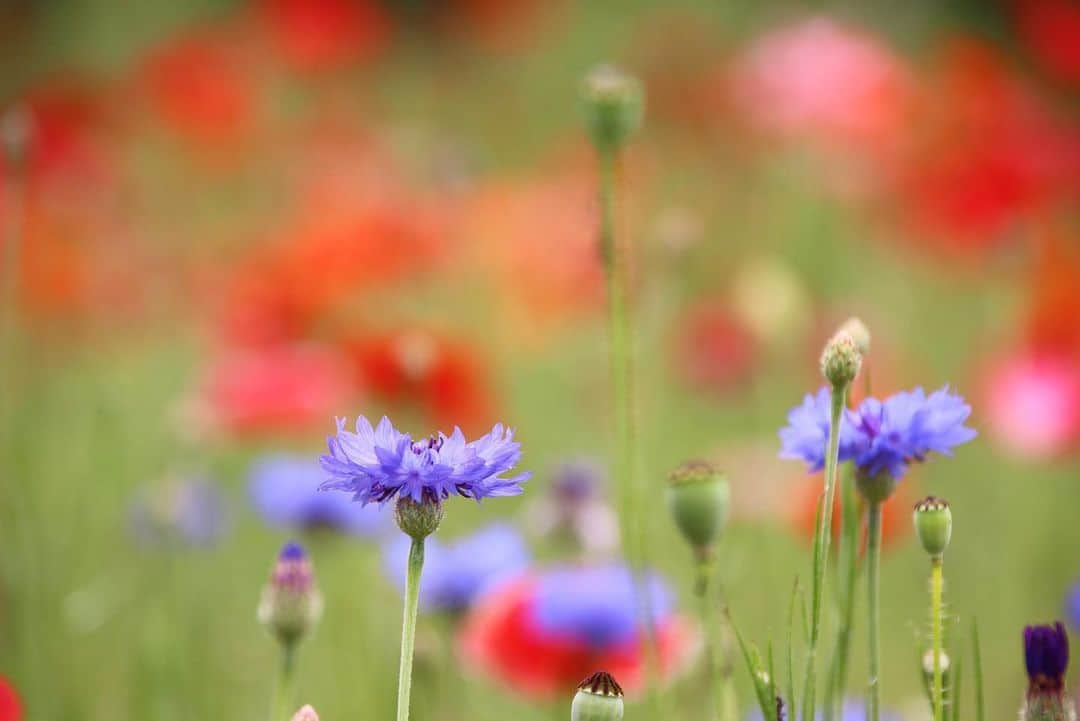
(1051, 30)
(317, 35)
(501, 639)
(444, 378)
(272, 390)
(11, 708)
(1032, 403)
(713, 351)
(200, 87)
(987, 156)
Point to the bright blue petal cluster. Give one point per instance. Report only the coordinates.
(456, 574)
(879, 435)
(284, 489)
(381, 463)
(596, 605)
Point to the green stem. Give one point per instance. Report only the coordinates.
(873, 577)
(408, 627)
(848, 565)
(621, 354)
(935, 635)
(284, 696)
(822, 536)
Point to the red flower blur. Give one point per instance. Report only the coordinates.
(328, 257)
(11, 708)
(989, 155)
(713, 351)
(319, 35)
(1051, 30)
(501, 639)
(823, 81)
(1032, 403)
(895, 512)
(199, 86)
(279, 389)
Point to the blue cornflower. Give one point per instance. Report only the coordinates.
(180, 511)
(457, 573)
(596, 605)
(879, 435)
(1072, 606)
(285, 491)
(378, 464)
(807, 432)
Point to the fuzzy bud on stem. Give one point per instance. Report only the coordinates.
(840, 361)
(598, 698)
(291, 603)
(614, 104)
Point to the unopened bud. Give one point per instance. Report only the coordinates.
(698, 497)
(306, 713)
(840, 361)
(598, 698)
(291, 604)
(614, 104)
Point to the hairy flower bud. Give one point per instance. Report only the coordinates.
(840, 361)
(598, 698)
(859, 333)
(933, 524)
(291, 603)
(306, 713)
(614, 104)
(698, 497)
(1046, 656)
(419, 519)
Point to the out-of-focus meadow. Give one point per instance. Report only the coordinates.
(226, 223)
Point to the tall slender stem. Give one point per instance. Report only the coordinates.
(848, 567)
(873, 576)
(936, 583)
(621, 355)
(822, 536)
(408, 626)
(284, 697)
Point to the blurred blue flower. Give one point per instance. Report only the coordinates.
(852, 709)
(284, 489)
(596, 605)
(181, 511)
(1072, 605)
(375, 465)
(879, 436)
(457, 573)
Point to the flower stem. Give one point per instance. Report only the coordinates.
(284, 698)
(719, 679)
(936, 583)
(848, 567)
(408, 626)
(621, 355)
(822, 536)
(873, 577)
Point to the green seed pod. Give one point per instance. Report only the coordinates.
(840, 361)
(933, 524)
(698, 498)
(598, 698)
(876, 488)
(418, 520)
(614, 104)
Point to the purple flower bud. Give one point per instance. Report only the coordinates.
(291, 603)
(1046, 654)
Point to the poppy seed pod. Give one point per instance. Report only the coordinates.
(598, 698)
(614, 104)
(933, 524)
(699, 497)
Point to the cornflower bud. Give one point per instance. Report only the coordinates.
(614, 105)
(291, 603)
(1046, 656)
(840, 361)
